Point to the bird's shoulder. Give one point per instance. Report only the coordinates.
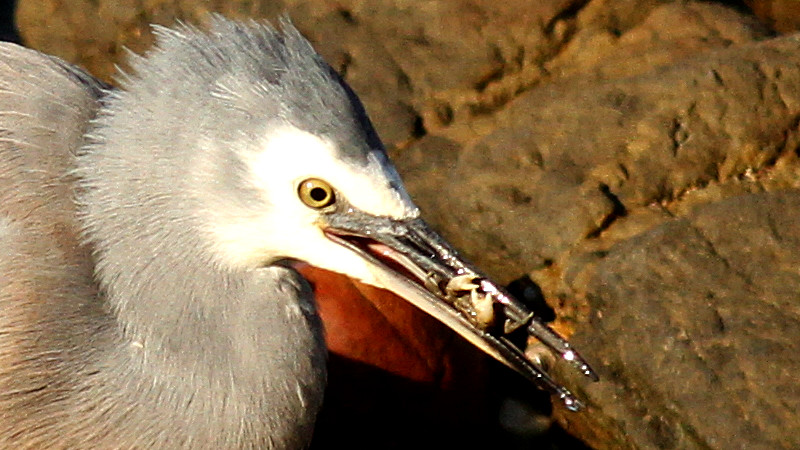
(46, 106)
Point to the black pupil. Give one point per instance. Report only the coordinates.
(318, 194)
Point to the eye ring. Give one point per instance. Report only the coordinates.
(316, 193)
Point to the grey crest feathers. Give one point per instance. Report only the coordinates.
(260, 71)
(214, 92)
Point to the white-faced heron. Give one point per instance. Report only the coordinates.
(147, 236)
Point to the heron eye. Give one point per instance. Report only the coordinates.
(316, 193)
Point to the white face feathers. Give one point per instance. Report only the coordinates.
(199, 157)
(288, 228)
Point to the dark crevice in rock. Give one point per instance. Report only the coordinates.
(403, 81)
(666, 210)
(738, 5)
(624, 169)
(717, 77)
(444, 113)
(618, 210)
(489, 99)
(494, 75)
(518, 197)
(418, 130)
(719, 322)
(347, 15)
(761, 80)
(569, 12)
(679, 135)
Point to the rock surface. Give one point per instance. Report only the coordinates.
(707, 307)
(638, 159)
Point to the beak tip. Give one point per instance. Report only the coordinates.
(572, 403)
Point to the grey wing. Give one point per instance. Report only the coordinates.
(48, 300)
(45, 107)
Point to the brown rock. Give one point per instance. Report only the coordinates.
(571, 157)
(693, 324)
(397, 55)
(782, 16)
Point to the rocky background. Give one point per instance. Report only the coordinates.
(639, 160)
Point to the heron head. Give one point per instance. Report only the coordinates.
(251, 151)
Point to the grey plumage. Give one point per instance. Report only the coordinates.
(175, 350)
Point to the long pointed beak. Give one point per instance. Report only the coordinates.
(411, 260)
